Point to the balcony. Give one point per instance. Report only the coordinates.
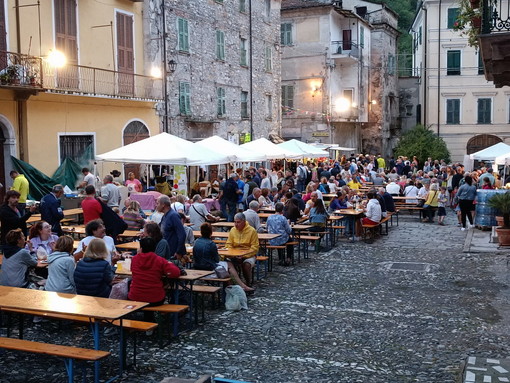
(345, 51)
(495, 41)
(29, 74)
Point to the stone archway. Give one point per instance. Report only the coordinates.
(481, 142)
(134, 131)
(7, 149)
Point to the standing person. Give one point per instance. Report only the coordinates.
(61, 267)
(148, 269)
(278, 224)
(88, 178)
(109, 192)
(22, 186)
(16, 261)
(133, 184)
(10, 216)
(467, 195)
(230, 194)
(91, 207)
(51, 210)
(266, 182)
(198, 213)
(302, 175)
(93, 275)
(172, 229)
(441, 205)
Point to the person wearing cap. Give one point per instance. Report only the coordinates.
(51, 210)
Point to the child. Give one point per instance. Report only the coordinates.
(441, 203)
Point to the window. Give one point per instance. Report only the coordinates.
(346, 40)
(222, 108)
(348, 95)
(183, 33)
(287, 97)
(184, 99)
(453, 111)
(362, 37)
(3, 37)
(269, 107)
(66, 41)
(484, 110)
(391, 64)
(244, 105)
(453, 14)
(220, 45)
(481, 69)
(76, 147)
(244, 53)
(268, 8)
(453, 63)
(286, 34)
(268, 58)
(419, 34)
(242, 6)
(125, 54)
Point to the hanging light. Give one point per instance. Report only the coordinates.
(56, 58)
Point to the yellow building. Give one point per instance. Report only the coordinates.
(103, 96)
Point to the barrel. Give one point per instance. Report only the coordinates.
(485, 215)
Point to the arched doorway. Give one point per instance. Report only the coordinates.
(480, 142)
(135, 131)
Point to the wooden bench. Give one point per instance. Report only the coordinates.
(167, 310)
(384, 221)
(270, 249)
(68, 353)
(315, 239)
(370, 229)
(200, 291)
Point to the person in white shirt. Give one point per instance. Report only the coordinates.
(88, 178)
(411, 191)
(96, 229)
(252, 216)
(266, 181)
(393, 189)
(423, 191)
(198, 213)
(373, 212)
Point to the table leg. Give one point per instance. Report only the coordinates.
(95, 335)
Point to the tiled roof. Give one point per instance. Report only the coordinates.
(291, 4)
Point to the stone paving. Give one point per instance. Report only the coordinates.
(411, 307)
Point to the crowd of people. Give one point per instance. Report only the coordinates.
(294, 193)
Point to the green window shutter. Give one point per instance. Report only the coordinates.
(220, 45)
(183, 34)
(484, 110)
(242, 6)
(453, 63)
(453, 111)
(419, 34)
(244, 105)
(244, 54)
(362, 37)
(268, 58)
(453, 13)
(481, 69)
(286, 34)
(222, 106)
(288, 96)
(184, 98)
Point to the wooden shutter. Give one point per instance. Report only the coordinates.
(125, 54)
(346, 39)
(66, 41)
(3, 37)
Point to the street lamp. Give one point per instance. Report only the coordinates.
(172, 66)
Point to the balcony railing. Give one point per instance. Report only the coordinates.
(33, 72)
(495, 16)
(346, 47)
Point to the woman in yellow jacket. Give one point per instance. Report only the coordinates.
(431, 203)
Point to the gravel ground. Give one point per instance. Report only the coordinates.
(408, 308)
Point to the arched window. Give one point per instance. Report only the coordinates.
(481, 142)
(134, 132)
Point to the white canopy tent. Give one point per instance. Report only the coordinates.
(491, 152)
(164, 149)
(233, 151)
(270, 150)
(306, 150)
(503, 159)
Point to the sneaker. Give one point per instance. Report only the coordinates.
(441, 223)
(462, 229)
(459, 225)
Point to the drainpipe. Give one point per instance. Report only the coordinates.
(439, 72)
(19, 103)
(251, 73)
(165, 71)
(424, 70)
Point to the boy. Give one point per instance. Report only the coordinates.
(441, 203)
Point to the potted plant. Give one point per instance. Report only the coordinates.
(501, 202)
(12, 72)
(4, 79)
(469, 21)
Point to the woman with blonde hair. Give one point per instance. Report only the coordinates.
(132, 216)
(93, 274)
(61, 267)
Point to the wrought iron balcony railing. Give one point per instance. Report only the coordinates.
(346, 47)
(495, 16)
(28, 71)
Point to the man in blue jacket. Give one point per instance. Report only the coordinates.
(50, 209)
(172, 229)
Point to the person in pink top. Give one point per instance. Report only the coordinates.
(133, 184)
(92, 208)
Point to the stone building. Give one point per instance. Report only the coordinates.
(456, 101)
(339, 79)
(224, 72)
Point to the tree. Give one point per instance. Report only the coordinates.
(422, 143)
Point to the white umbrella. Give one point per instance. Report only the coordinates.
(235, 152)
(306, 150)
(270, 150)
(164, 149)
(491, 152)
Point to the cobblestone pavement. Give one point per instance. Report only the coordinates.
(411, 307)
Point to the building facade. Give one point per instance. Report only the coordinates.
(456, 101)
(99, 100)
(222, 66)
(339, 80)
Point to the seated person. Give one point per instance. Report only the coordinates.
(206, 257)
(291, 209)
(162, 186)
(318, 216)
(190, 238)
(338, 203)
(127, 202)
(252, 216)
(96, 229)
(373, 211)
(93, 275)
(43, 242)
(278, 224)
(152, 230)
(61, 267)
(243, 236)
(148, 269)
(132, 216)
(17, 260)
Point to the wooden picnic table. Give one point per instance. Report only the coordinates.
(67, 213)
(223, 224)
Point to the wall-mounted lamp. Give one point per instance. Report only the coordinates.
(56, 59)
(373, 102)
(172, 66)
(277, 47)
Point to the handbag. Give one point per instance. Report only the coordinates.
(421, 203)
(221, 272)
(112, 222)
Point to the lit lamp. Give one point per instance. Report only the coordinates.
(56, 58)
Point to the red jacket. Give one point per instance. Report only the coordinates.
(147, 270)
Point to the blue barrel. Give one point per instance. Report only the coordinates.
(485, 215)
